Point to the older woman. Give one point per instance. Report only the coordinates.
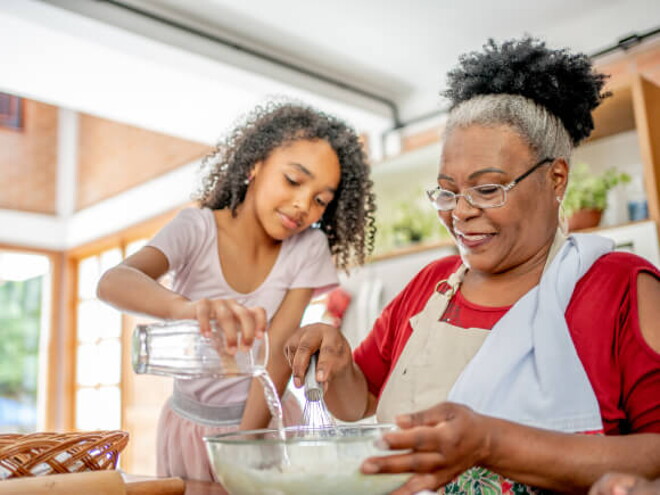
(490, 362)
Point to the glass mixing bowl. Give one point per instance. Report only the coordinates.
(299, 461)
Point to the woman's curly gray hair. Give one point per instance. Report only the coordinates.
(543, 132)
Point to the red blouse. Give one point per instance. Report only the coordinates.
(602, 318)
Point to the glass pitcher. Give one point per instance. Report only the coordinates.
(178, 349)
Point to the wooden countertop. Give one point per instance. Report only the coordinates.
(193, 487)
(108, 482)
(204, 488)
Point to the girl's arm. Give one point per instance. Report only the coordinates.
(285, 321)
(132, 286)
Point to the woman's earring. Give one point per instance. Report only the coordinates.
(563, 221)
(248, 179)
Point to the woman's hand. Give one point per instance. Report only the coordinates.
(334, 359)
(624, 484)
(443, 441)
(231, 318)
(345, 387)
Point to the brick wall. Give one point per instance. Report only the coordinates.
(28, 161)
(115, 157)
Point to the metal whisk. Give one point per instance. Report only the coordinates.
(315, 414)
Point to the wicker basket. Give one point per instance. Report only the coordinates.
(38, 454)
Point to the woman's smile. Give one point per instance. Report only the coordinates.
(473, 240)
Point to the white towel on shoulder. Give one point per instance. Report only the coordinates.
(527, 369)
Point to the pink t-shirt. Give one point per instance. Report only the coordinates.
(190, 244)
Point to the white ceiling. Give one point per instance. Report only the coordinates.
(403, 48)
(113, 63)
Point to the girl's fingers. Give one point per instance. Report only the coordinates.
(245, 322)
(203, 314)
(227, 324)
(613, 484)
(239, 324)
(260, 321)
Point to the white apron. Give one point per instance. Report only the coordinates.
(432, 359)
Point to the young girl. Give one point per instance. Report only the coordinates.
(287, 190)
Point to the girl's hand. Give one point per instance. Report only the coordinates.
(624, 484)
(443, 441)
(335, 357)
(231, 318)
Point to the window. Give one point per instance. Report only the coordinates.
(99, 346)
(11, 111)
(98, 349)
(25, 323)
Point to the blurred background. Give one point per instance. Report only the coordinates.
(108, 106)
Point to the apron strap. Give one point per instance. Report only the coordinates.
(454, 282)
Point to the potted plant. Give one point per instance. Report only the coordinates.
(412, 224)
(586, 195)
(407, 222)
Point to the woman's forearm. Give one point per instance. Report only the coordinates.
(130, 290)
(347, 396)
(567, 462)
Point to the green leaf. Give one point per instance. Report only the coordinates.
(588, 191)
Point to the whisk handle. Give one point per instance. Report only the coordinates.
(313, 390)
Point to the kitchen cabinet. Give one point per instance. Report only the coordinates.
(634, 106)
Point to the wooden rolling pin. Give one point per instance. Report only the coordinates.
(90, 483)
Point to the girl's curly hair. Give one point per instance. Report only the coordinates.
(563, 83)
(348, 221)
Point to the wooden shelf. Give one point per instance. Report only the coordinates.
(614, 115)
(411, 249)
(595, 230)
(427, 246)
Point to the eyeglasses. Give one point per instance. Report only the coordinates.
(482, 196)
